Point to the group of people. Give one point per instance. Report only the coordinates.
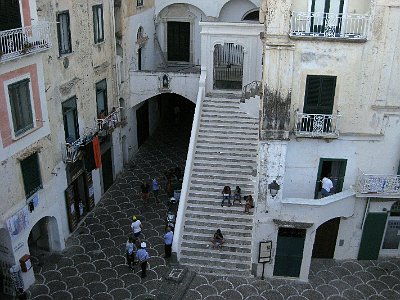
(237, 196)
(136, 248)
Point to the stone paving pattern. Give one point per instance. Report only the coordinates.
(93, 265)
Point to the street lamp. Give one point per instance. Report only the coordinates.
(273, 188)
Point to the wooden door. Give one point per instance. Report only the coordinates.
(372, 235)
(289, 252)
(178, 41)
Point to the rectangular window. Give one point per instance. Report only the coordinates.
(101, 99)
(320, 94)
(21, 108)
(70, 116)
(64, 33)
(139, 3)
(31, 174)
(98, 23)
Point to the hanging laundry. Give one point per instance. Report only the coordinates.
(96, 150)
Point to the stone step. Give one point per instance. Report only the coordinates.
(224, 148)
(237, 127)
(215, 253)
(239, 132)
(232, 242)
(222, 178)
(218, 224)
(226, 143)
(243, 159)
(205, 270)
(222, 170)
(216, 211)
(227, 95)
(222, 105)
(215, 262)
(226, 165)
(223, 216)
(202, 245)
(242, 137)
(228, 121)
(214, 188)
(229, 233)
(222, 115)
(211, 202)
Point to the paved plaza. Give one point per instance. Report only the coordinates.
(93, 265)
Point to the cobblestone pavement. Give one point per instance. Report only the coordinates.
(93, 266)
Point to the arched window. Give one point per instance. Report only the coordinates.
(252, 16)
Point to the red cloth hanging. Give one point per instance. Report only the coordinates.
(96, 151)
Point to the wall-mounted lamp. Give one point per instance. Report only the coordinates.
(273, 188)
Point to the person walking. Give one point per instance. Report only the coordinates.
(136, 227)
(168, 238)
(130, 252)
(156, 188)
(143, 256)
(145, 187)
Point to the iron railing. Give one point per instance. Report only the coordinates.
(329, 25)
(72, 151)
(21, 41)
(250, 90)
(317, 125)
(110, 122)
(378, 184)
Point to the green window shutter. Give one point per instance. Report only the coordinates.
(320, 94)
(372, 235)
(21, 108)
(31, 174)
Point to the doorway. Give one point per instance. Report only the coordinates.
(325, 239)
(336, 168)
(178, 41)
(228, 66)
(142, 119)
(391, 241)
(289, 252)
(10, 15)
(106, 169)
(326, 16)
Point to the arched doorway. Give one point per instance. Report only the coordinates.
(228, 66)
(325, 239)
(44, 237)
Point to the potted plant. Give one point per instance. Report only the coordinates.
(26, 47)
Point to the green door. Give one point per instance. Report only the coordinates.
(372, 235)
(289, 252)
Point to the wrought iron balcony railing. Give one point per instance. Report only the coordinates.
(250, 90)
(329, 25)
(72, 151)
(18, 42)
(109, 122)
(378, 184)
(317, 125)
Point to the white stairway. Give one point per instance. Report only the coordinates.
(225, 154)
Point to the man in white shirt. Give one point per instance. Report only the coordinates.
(327, 186)
(136, 227)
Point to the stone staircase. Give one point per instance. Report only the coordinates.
(225, 154)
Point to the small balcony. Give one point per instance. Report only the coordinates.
(317, 125)
(107, 124)
(329, 25)
(379, 186)
(72, 151)
(22, 41)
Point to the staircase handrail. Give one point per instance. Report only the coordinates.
(250, 90)
(180, 216)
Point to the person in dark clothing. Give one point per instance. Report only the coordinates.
(145, 187)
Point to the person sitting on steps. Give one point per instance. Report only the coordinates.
(226, 195)
(218, 239)
(249, 204)
(237, 195)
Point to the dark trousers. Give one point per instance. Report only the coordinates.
(130, 258)
(168, 250)
(143, 265)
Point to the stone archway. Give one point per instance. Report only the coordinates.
(44, 236)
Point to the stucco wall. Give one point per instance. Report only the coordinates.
(234, 10)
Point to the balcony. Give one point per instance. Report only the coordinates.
(19, 42)
(381, 186)
(72, 151)
(329, 25)
(107, 124)
(317, 125)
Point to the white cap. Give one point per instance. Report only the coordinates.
(143, 245)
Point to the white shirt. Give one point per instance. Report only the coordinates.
(136, 226)
(327, 184)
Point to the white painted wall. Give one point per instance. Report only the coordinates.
(234, 10)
